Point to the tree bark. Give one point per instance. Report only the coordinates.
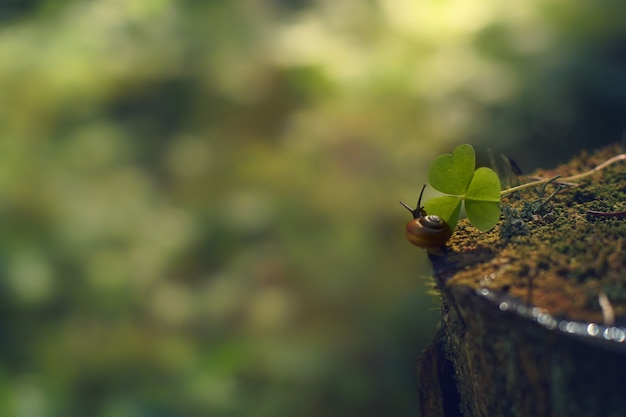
(486, 362)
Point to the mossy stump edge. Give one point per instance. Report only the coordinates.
(522, 332)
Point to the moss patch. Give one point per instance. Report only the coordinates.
(547, 250)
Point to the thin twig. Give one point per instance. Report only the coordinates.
(576, 177)
(616, 214)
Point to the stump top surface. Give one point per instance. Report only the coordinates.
(547, 250)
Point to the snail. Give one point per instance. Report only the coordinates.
(427, 231)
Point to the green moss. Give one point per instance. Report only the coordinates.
(547, 250)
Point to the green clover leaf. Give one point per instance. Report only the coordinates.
(454, 174)
(482, 199)
(451, 174)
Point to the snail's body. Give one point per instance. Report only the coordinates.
(426, 231)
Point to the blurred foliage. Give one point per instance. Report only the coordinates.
(198, 199)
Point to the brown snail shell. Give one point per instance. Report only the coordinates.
(428, 231)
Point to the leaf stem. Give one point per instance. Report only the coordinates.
(576, 177)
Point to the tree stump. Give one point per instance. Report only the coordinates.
(533, 311)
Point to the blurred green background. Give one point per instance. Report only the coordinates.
(199, 199)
